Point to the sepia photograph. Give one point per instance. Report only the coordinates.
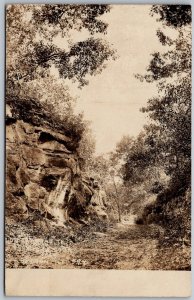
(98, 137)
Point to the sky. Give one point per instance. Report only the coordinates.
(112, 99)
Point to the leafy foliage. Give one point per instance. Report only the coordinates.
(33, 55)
(35, 28)
(86, 148)
(159, 159)
(170, 113)
(85, 57)
(173, 15)
(68, 17)
(32, 111)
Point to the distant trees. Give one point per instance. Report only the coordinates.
(99, 168)
(139, 172)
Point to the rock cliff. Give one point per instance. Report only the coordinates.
(43, 173)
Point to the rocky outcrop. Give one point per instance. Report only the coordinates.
(43, 173)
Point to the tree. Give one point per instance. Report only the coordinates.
(169, 132)
(35, 28)
(99, 169)
(118, 156)
(171, 111)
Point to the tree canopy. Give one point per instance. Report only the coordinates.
(35, 29)
(173, 15)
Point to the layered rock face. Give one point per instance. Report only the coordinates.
(43, 173)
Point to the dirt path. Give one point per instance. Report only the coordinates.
(121, 247)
